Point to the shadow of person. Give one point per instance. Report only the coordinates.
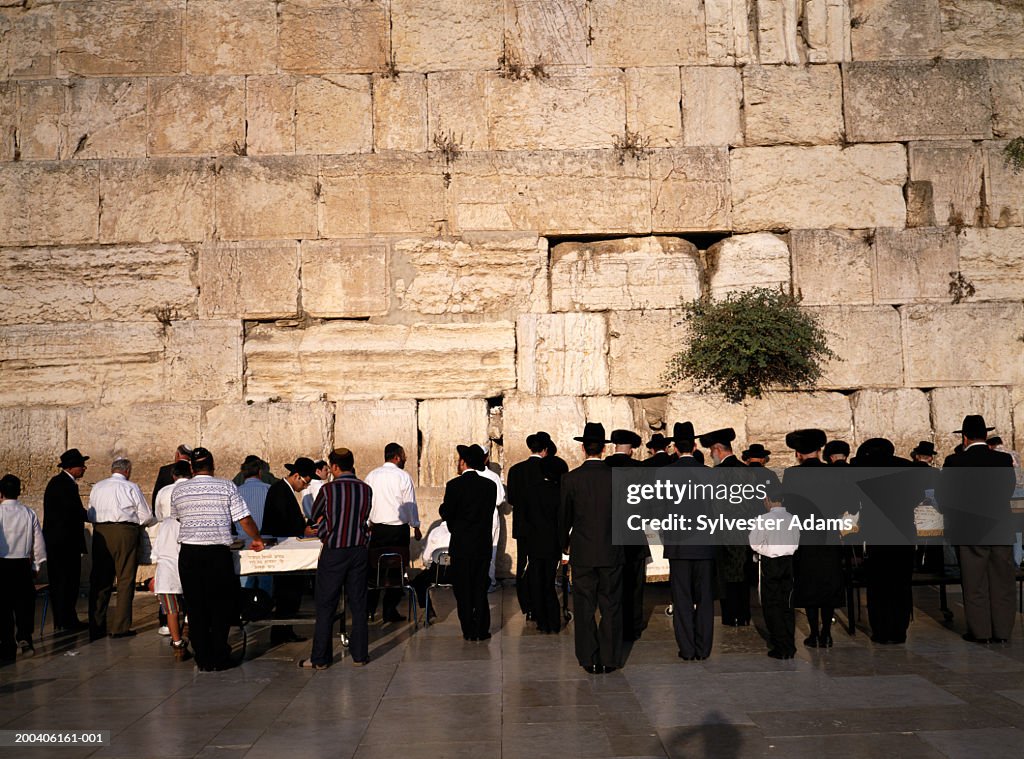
(714, 737)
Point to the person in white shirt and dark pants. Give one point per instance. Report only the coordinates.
(22, 551)
(775, 549)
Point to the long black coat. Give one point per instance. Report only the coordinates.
(976, 505)
(282, 515)
(817, 568)
(534, 490)
(63, 516)
(693, 552)
(585, 518)
(468, 509)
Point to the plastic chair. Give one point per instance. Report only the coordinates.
(440, 558)
(391, 574)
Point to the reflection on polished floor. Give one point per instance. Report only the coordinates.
(427, 693)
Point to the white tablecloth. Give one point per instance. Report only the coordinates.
(289, 555)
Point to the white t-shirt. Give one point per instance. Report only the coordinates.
(165, 551)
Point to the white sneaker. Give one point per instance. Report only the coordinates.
(165, 631)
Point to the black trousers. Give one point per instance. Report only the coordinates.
(340, 569)
(287, 600)
(777, 603)
(634, 577)
(211, 593)
(470, 580)
(597, 589)
(736, 603)
(990, 604)
(889, 574)
(385, 538)
(17, 605)
(523, 581)
(64, 569)
(693, 605)
(540, 578)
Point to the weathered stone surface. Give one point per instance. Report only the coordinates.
(248, 280)
(344, 278)
(727, 32)
(547, 31)
(270, 114)
(354, 360)
(647, 32)
(106, 118)
(121, 37)
(492, 276)
(690, 189)
(8, 120)
(951, 404)
(744, 261)
(914, 265)
(920, 197)
(431, 37)
(955, 171)
(270, 198)
(561, 112)
(771, 417)
(347, 36)
(276, 432)
(632, 273)
(400, 113)
(902, 416)
(561, 417)
(797, 105)
(443, 424)
(32, 442)
(551, 192)
(562, 354)
(826, 31)
(48, 203)
(365, 427)
(39, 118)
(652, 105)
(203, 360)
(831, 266)
(615, 413)
(157, 200)
(28, 41)
(196, 115)
(333, 114)
(458, 107)
(895, 29)
(95, 284)
(708, 412)
(1004, 188)
(711, 97)
(640, 344)
(855, 188)
(777, 27)
(1017, 397)
(868, 344)
(982, 29)
(914, 101)
(967, 344)
(991, 259)
(1007, 78)
(231, 37)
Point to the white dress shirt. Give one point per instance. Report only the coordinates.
(21, 537)
(394, 497)
(491, 475)
(118, 499)
(778, 542)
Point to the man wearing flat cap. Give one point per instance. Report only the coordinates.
(657, 446)
(64, 531)
(634, 570)
(585, 533)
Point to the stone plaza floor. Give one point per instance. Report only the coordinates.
(427, 693)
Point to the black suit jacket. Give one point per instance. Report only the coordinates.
(693, 552)
(468, 509)
(282, 515)
(63, 515)
(164, 477)
(621, 459)
(585, 518)
(976, 504)
(533, 491)
(661, 458)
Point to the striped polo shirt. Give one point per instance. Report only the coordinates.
(344, 504)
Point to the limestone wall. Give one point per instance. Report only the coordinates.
(273, 227)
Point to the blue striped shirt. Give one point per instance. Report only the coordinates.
(342, 512)
(254, 493)
(206, 506)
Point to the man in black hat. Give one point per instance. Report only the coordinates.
(522, 486)
(684, 440)
(756, 455)
(64, 531)
(468, 510)
(657, 446)
(634, 569)
(836, 452)
(924, 453)
(585, 533)
(976, 504)
(626, 442)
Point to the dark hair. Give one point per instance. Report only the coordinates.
(685, 446)
(593, 448)
(181, 470)
(202, 460)
(343, 459)
(537, 444)
(10, 486)
(391, 450)
(251, 467)
(320, 464)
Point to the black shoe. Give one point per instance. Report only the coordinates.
(125, 634)
(469, 638)
(485, 636)
(825, 641)
(529, 616)
(811, 641)
(608, 670)
(686, 658)
(593, 669)
(999, 640)
(969, 637)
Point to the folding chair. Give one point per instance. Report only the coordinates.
(441, 558)
(391, 574)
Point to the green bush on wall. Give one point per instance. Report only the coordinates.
(748, 342)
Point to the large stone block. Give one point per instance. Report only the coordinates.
(561, 112)
(32, 442)
(914, 265)
(868, 345)
(888, 102)
(991, 260)
(121, 37)
(902, 416)
(382, 194)
(400, 113)
(443, 424)
(231, 37)
(795, 105)
(333, 114)
(771, 417)
(640, 344)
(1007, 78)
(690, 189)
(457, 106)
(49, 203)
(196, 115)
(647, 32)
(895, 29)
(955, 171)
(562, 354)
(41, 109)
(777, 26)
(106, 118)
(967, 344)
(156, 200)
(347, 36)
(1017, 398)
(203, 360)
(8, 120)
(615, 413)
(270, 198)
(652, 105)
(366, 427)
(550, 32)
(708, 412)
(826, 31)
(344, 278)
(982, 29)
(1004, 188)
(745, 261)
(431, 37)
(711, 98)
(632, 273)
(951, 404)
(28, 45)
(555, 192)
(831, 266)
(95, 284)
(356, 360)
(270, 114)
(561, 417)
(488, 276)
(249, 280)
(855, 188)
(727, 33)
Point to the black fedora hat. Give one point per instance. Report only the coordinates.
(626, 437)
(473, 455)
(724, 436)
(924, 448)
(974, 427)
(593, 432)
(836, 446)
(806, 440)
(756, 451)
(874, 449)
(72, 457)
(658, 442)
(539, 439)
(304, 467)
(683, 431)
